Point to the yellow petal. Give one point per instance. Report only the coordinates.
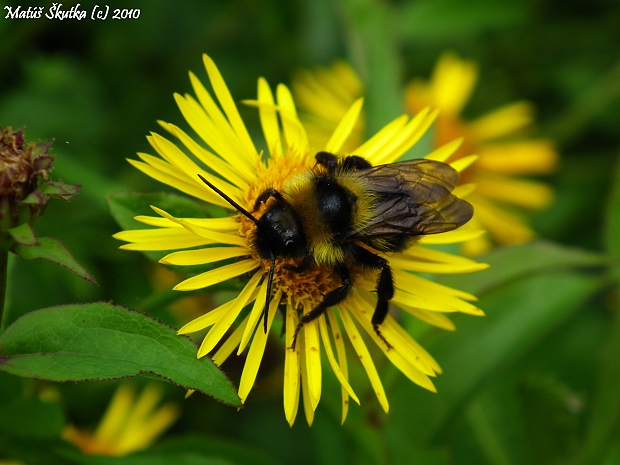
(521, 192)
(411, 360)
(224, 129)
(115, 414)
(218, 275)
(505, 121)
(153, 246)
(426, 357)
(217, 224)
(156, 424)
(203, 256)
(452, 237)
(206, 320)
(439, 268)
(312, 354)
(431, 255)
(188, 188)
(218, 331)
(292, 367)
(445, 151)
(342, 359)
(165, 167)
(503, 226)
(344, 128)
(376, 142)
(463, 163)
(453, 81)
(269, 119)
(364, 356)
(159, 239)
(257, 349)
(229, 107)
(296, 137)
(229, 345)
(397, 145)
(434, 303)
(177, 158)
(153, 235)
(255, 314)
(332, 360)
(434, 318)
(305, 390)
(231, 239)
(229, 172)
(464, 190)
(411, 281)
(524, 157)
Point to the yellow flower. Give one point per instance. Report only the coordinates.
(243, 175)
(324, 95)
(504, 152)
(131, 423)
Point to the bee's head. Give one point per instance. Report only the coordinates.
(279, 233)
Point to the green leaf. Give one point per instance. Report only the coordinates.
(54, 251)
(515, 262)
(59, 190)
(519, 315)
(103, 341)
(24, 235)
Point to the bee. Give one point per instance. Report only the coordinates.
(342, 211)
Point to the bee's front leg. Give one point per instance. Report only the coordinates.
(331, 298)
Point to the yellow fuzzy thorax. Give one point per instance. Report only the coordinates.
(299, 191)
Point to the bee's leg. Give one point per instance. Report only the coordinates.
(331, 298)
(266, 195)
(328, 160)
(304, 264)
(355, 163)
(385, 286)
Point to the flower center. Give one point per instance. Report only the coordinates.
(305, 289)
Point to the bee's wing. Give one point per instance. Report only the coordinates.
(414, 197)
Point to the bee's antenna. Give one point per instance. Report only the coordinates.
(239, 208)
(269, 284)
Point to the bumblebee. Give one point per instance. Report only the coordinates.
(341, 212)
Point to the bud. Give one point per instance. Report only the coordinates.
(25, 187)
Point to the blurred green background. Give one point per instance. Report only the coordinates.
(537, 381)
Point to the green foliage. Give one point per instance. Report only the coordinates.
(52, 250)
(102, 341)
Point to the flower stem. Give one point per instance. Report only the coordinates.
(4, 258)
